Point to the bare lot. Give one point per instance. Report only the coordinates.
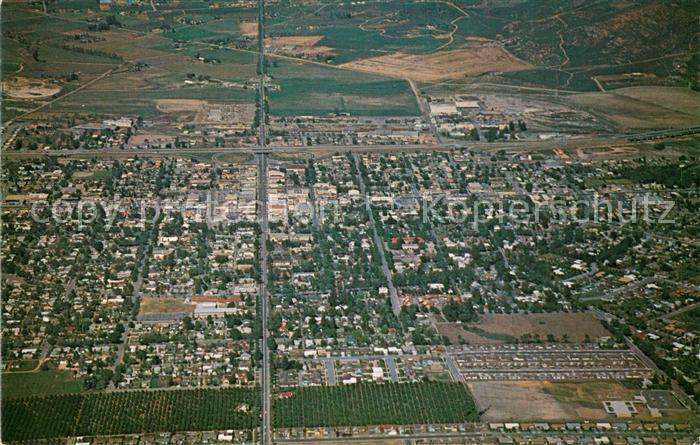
(574, 325)
(293, 40)
(26, 88)
(458, 335)
(249, 29)
(533, 400)
(516, 401)
(152, 305)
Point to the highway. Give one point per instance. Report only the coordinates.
(528, 146)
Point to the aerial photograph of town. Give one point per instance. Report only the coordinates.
(350, 222)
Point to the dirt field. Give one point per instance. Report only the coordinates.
(180, 105)
(547, 400)
(574, 325)
(442, 65)
(153, 138)
(297, 45)
(293, 40)
(26, 88)
(600, 153)
(516, 401)
(454, 331)
(644, 107)
(208, 113)
(152, 305)
(249, 29)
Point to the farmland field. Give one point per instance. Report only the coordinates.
(568, 43)
(129, 412)
(49, 56)
(370, 404)
(337, 91)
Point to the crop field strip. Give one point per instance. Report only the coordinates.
(129, 412)
(372, 404)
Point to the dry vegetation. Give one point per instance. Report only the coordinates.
(208, 113)
(575, 325)
(554, 400)
(514, 400)
(475, 60)
(154, 305)
(298, 46)
(292, 40)
(644, 107)
(457, 334)
(26, 88)
(249, 29)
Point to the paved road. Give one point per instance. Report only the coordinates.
(330, 371)
(137, 288)
(572, 369)
(457, 354)
(488, 434)
(391, 365)
(261, 155)
(264, 232)
(393, 294)
(680, 311)
(454, 369)
(622, 289)
(589, 141)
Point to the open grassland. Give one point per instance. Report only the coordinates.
(371, 404)
(25, 384)
(641, 108)
(337, 91)
(143, 102)
(129, 412)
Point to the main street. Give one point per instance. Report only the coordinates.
(262, 153)
(264, 231)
